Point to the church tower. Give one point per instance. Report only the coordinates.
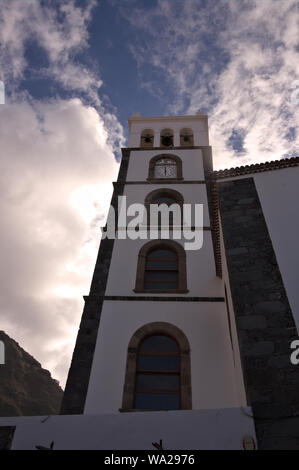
(156, 332)
(189, 333)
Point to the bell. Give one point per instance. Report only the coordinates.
(167, 140)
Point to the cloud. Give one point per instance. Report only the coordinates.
(56, 168)
(235, 60)
(61, 31)
(54, 182)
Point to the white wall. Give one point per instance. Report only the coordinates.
(199, 430)
(278, 191)
(198, 124)
(204, 324)
(279, 196)
(192, 163)
(200, 266)
(191, 193)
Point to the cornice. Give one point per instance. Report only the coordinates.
(257, 168)
(191, 147)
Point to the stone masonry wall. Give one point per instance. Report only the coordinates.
(263, 315)
(78, 378)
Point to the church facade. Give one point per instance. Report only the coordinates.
(188, 344)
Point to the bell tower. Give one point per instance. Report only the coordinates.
(155, 332)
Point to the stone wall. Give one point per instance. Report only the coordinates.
(79, 373)
(26, 389)
(264, 319)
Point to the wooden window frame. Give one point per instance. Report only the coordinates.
(151, 329)
(163, 192)
(164, 270)
(159, 372)
(141, 265)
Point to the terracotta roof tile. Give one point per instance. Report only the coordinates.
(257, 167)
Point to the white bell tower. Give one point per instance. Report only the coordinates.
(164, 338)
(157, 360)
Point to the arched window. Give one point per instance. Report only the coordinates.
(167, 196)
(165, 167)
(147, 138)
(161, 268)
(158, 372)
(166, 138)
(186, 138)
(163, 199)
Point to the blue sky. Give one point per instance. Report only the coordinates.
(171, 57)
(108, 56)
(74, 71)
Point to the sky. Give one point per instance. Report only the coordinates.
(74, 71)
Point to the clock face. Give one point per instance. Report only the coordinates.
(165, 168)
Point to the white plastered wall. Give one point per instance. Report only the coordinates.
(191, 193)
(204, 324)
(198, 124)
(204, 429)
(278, 192)
(200, 266)
(191, 163)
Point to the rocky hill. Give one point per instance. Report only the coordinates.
(26, 389)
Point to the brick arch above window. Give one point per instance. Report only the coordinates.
(163, 196)
(142, 260)
(154, 161)
(151, 329)
(164, 192)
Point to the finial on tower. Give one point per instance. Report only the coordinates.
(136, 115)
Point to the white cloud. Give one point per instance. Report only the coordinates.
(60, 31)
(56, 168)
(236, 59)
(54, 182)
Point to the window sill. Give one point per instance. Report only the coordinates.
(172, 291)
(133, 410)
(164, 180)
